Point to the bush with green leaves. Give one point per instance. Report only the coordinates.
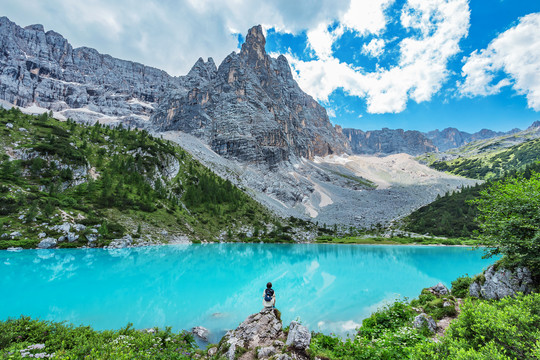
(30, 336)
(460, 286)
(505, 329)
(509, 221)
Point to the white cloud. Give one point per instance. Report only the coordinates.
(366, 16)
(374, 48)
(331, 112)
(515, 54)
(421, 68)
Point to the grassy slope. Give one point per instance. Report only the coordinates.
(112, 180)
(452, 215)
(490, 164)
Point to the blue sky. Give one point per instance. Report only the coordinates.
(412, 64)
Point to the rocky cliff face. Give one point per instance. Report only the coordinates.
(387, 141)
(250, 109)
(42, 68)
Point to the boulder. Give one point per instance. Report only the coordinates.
(501, 283)
(47, 243)
(299, 336)
(439, 290)
(14, 248)
(15, 235)
(72, 237)
(265, 352)
(201, 332)
(257, 331)
(425, 320)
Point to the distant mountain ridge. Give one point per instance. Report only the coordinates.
(388, 141)
(392, 141)
(452, 138)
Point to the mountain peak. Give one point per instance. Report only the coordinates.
(254, 45)
(201, 69)
(535, 124)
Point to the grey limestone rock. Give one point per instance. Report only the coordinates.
(212, 351)
(439, 290)
(501, 283)
(14, 248)
(425, 320)
(47, 243)
(265, 352)
(258, 330)
(15, 235)
(299, 336)
(201, 332)
(250, 109)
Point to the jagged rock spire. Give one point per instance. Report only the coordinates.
(254, 47)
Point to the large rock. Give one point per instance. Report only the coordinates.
(201, 332)
(439, 290)
(299, 336)
(258, 330)
(501, 283)
(424, 320)
(47, 243)
(250, 109)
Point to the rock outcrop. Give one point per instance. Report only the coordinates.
(439, 290)
(388, 141)
(424, 320)
(250, 109)
(42, 68)
(299, 336)
(499, 283)
(260, 336)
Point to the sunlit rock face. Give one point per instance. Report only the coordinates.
(250, 108)
(42, 69)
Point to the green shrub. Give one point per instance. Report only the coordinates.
(460, 286)
(391, 317)
(69, 342)
(505, 329)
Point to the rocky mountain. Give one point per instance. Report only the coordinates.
(388, 141)
(250, 109)
(42, 69)
(452, 138)
(239, 119)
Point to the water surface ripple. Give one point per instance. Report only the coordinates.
(331, 288)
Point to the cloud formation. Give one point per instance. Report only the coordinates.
(511, 59)
(435, 28)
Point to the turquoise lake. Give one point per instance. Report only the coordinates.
(330, 288)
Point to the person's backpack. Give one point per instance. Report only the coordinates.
(268, 293)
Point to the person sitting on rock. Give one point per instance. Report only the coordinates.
(269, 296)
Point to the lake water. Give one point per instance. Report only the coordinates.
(331, 288)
